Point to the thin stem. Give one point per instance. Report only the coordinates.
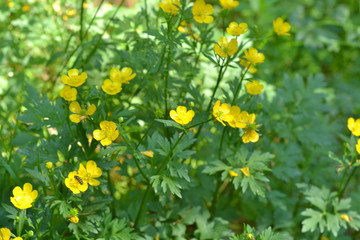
(238, 88)
(93, 18)
(81, 20)
(112, 206)
(341, 192)
(138, 215)
(146, 15)
(196, 124)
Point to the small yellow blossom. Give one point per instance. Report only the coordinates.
(354, 126)
(71, 12)
(24, 198)
(253, 56)
(73, 78)
(345, 217)
(85, 5)
(75, 183)
(26, 8)
(358, 146)
(184, 27)
(89, 173)
(281, 27)
(111, 87)
(222, 112)
(65, 17)
(17, 238)
(250, 236)
(10, 4)
(181, 115)
(170, 6)
(229, 4)
(148, 153)
(74, 219)
(254, 87)
(245, 171)
(250, 132)
(5, 234)
(202, 12)
(233, 173)
(122, 76)
(79, 113)
(239, 118)
(224, 48)
(107, 134)
(68, 93)
(236, 29)
(49, 165)
(248, 65)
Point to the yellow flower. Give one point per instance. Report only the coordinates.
(10, 4)
(222, 112)
(107, 134)
(358, 146)
(229, 4)
(74, 219)
(281, 27)
(73, 78)
(233, 174)
(56, 6)
(248, 65)
(184, 27)
(68, 93)
(90, 172)
(354, 126)
(245, 171)
(170, 6)
(148, 153)
(49, 165)
(111, 87)
(202, 12)
(250, 236)
(254, 87)
(239, 118)
(181, 115)
(5, 234)
(345, 217)
(24, 198)
(26, 8)
(75, 183)
(122, 76)
(18, 238)
(236, 29)
(250, 132)
(253, 56)
(224, 48)
(71, 12)
(80, 114)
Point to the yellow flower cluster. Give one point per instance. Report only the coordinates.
(170, 6)
(236, 118)
(73, 79)
(253, 56)
(236, 29)
(281, 27)
(77, 181)
(118, 77)
(224, 48)
(5, 234)
(181, 115)
(24, 198)
(107, 133)
(254, 87)
(202, 12)
(354, 127)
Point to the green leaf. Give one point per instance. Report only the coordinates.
(170, 123)
(314, 218)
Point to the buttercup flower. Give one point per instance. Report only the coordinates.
(184, 27)
(89, 173)
(5, 234)
(248, 65)
(250, 132)
(236, 29)
(49, 165)
(233, 173)
(75, 183)
(122, 76)
(345, 217)
(239, 118)
(253, 56)
(354, 126)
(202, 12)
(80, 114)
(17, 238)
(26, 8)
(148, 153)
(246, 171)
(24, 198)
(358, 146)
(107, 134)
(73, 78)
(181, 115)
(281, 27)
(74, 219)
(229, 4)
(224, 48)
(222, 112)
(254, 87)
(170, 6)
(68, 93)
(111, 87)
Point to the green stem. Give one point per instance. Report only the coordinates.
(138, 215)
(196, 124)
(238, 88)
(146, 15)
(81, 20)
(93, 18)
(341, 192)
(110, 186)
(21, 221)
